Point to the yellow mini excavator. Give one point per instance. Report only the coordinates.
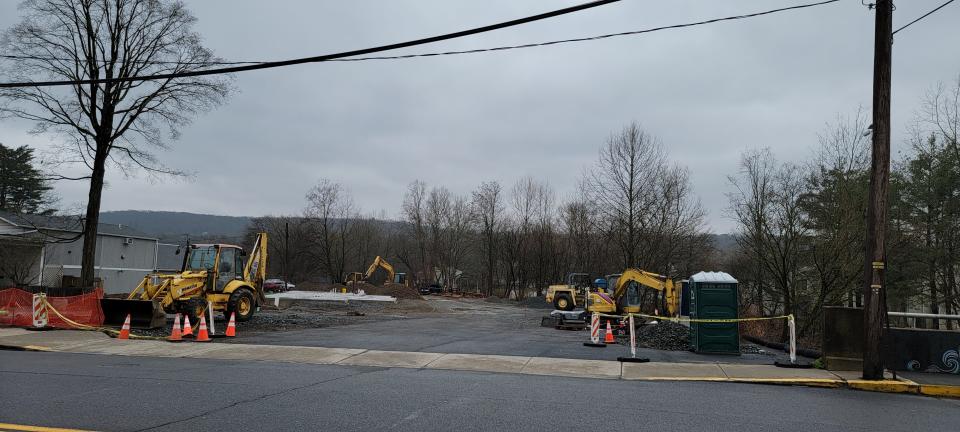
(632, 291)
(378, 262)
(212, 275)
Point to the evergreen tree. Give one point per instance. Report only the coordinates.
(22, 187)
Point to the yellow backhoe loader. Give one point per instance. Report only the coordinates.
(378, 262)
(212, 274)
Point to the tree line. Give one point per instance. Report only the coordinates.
(634, 208)
(800, 226)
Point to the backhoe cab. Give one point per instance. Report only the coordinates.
(212, 275)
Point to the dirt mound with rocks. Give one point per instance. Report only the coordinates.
(399, 291)
(665, 335)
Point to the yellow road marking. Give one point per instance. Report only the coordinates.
(28, 428)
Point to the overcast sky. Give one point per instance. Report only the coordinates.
(708, 92)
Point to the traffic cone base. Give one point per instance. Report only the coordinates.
(125, 330)
(232, 325)
(175, 335)
(187, 330)
(608, 338)
(202, 335)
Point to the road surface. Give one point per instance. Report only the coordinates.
(117, 393)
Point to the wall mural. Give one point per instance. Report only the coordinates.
(950, 360)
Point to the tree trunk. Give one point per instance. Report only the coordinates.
(92, 220)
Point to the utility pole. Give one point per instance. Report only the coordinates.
(286, 254)
(874, 289)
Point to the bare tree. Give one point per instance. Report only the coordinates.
(415, 256)
(622, 186)
(488, 204)
(330, 211)
(645, 203)
(114, 123)
(781, 229)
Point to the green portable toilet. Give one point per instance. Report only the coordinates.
(713, 295)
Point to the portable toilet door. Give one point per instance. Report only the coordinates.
(713, 295)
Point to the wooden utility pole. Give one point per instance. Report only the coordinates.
(874, 290)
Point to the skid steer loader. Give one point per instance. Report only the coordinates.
(212, 274)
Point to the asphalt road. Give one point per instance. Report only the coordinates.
(115, 393)
(478, 327)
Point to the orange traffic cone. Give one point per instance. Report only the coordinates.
(175, 335)
(125, 330)
(187, 330)
(202, 335)
(232, 325)
(608, 338)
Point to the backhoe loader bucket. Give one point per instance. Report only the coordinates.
(143, 313)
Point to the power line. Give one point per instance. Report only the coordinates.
(512, 47)
(923, 16)
(321, 58)
(342, 57)
(591, 38)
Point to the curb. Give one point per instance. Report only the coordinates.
(940, 390)
(34, 348)
(885, 386)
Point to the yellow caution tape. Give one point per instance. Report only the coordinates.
(700, 320)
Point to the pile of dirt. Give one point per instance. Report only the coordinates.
(665, 335)
(399, 291)
(535, 303)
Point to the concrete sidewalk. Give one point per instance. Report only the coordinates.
(98, 343)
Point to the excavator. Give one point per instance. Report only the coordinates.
(630, 294)
(212, 275)
(378, 262)
(630, 291)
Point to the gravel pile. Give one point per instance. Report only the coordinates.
(535, 303)
(665, 335)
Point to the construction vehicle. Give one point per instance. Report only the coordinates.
(378, 262)
(212, 275)
(630, 292)
(567, 296)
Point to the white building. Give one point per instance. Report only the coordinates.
(41, 250)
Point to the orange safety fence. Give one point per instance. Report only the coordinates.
(16, 308)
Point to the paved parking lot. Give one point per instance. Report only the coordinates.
(477, 327)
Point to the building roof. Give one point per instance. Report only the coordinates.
(69, 224)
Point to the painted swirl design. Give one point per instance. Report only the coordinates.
(951, 359)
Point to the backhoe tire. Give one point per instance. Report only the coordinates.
(242, 303)
(563, 302)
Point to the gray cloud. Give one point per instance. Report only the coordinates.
(707, 92)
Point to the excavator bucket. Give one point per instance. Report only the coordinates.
(143, 313)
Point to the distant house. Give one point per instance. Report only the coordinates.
(40, 250)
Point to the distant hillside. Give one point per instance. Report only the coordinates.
(175, 226)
